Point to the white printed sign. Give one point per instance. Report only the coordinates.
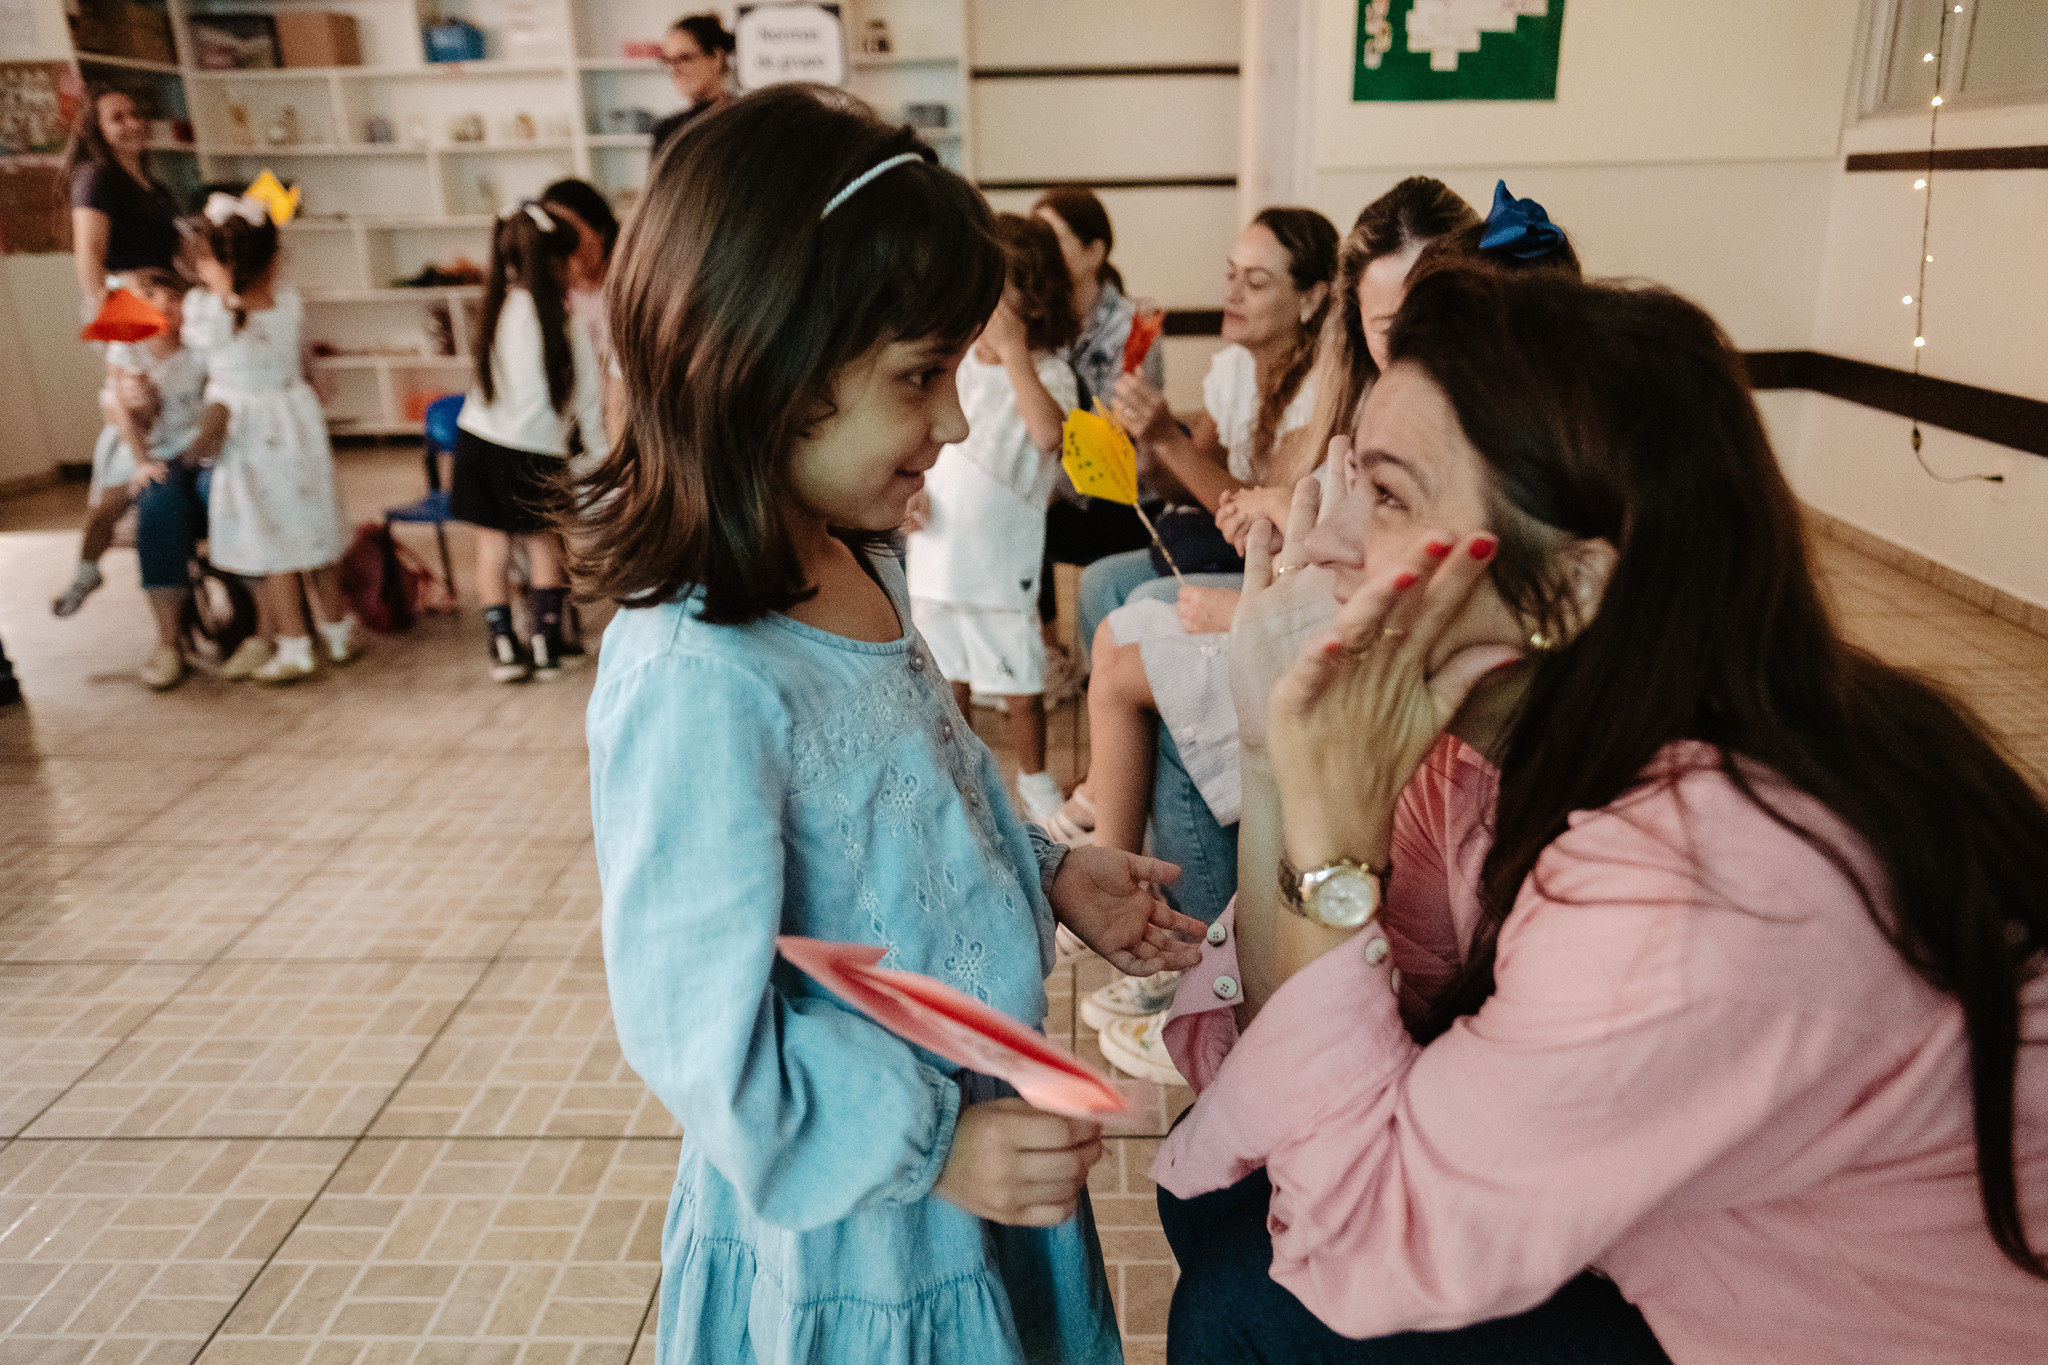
(1445, 28)
(779, 43)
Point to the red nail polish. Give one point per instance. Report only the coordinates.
(1483, 548)
(1334, 648)
(1436, 549)
(1403, 582)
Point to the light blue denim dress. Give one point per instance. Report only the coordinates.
(749, 781)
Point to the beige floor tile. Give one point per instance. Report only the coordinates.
(157, 901)
(280, 795)
(58, 1021)
(530, 1053)
(544, 796)
(92, 800)
(537, 719)
(562, 925)
(428, 1251)
(424, 898)
(134, 1251)
(263, 1049)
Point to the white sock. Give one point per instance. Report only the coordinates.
(88, 572)
(337, 634)
(1038, 790)
(295, 649)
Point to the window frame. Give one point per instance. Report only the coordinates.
(1880, 30)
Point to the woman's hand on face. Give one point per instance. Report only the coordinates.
(1285, 601)
(1206, 611)
(1014, 1164)
(1142, 409)
(1354, 716)
(918, 514)
(1111, 900)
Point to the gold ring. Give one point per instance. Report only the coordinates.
(1283, 570)
(1393, 633)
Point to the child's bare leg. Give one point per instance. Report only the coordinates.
(323, 589)
(287, 612)
(167, 605)
(1121, 740)
(544, 557)
(1026, 725)
(493, 567)
(100, 522)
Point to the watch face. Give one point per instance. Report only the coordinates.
(1346, 899)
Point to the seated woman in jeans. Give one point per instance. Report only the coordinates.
(1712, 950)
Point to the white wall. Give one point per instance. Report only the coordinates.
(1986, 324)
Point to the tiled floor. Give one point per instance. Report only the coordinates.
(305, 1053)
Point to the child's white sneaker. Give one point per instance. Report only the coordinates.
(292, 662)
(1137, 1047)
(1041, 795)
(164, 670)
(508, 665)
(83, 584)
(1129, 997)
(250, 655)
(340, 639)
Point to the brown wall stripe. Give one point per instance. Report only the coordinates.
(1954, 159)
(1041, 73)
(1183, 182)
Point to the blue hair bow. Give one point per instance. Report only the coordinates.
(1519, 227)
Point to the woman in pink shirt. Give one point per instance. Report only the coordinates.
(1711, 952)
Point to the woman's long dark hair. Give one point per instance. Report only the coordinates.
(88, 145)
(1310, 241)
(1085, 217)
(526, 255)
(1624, 414)
(1033, 266)
(735, 304)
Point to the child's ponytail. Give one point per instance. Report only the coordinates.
(528, 248)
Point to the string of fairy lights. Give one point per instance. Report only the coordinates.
(1918, 299)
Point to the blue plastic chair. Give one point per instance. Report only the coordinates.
(434, 508)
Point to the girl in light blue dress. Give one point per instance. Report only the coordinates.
(774, 752)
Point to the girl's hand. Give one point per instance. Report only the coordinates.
(918, 514)
(1005, 332)
(148, 472)
(1285, 601)
(1206, 611)
(1142, 409)
(1014, 1164)
(1352, 719)
(1107, 897)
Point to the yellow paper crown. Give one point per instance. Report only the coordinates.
(1099, 458)
(269, 191)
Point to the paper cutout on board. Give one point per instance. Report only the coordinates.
(1457, 50)
(955, 1026)
(1099, 458)
(282, 204)
(124, 317)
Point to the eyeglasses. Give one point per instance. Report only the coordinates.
(686, 59)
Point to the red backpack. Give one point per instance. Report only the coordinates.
(383, 581)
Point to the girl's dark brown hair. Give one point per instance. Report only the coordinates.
(1310, 241)
(247, 249)
(1035, 269)
(735, 304)
(1624, 414)
(526, 255)
(1088, 220)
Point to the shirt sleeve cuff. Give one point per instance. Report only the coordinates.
(1050, 856)
(1201, 1028)
(946, 1098)
(1330, 1038)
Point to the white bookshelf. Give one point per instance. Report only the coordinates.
(376, 212)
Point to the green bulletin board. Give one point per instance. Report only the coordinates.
(1456, 50)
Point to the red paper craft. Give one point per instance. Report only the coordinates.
(1146, 325)
(123, 317)
(957, 1027)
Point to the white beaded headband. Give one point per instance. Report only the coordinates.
(900, 159)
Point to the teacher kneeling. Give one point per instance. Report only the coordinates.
(1720, 943)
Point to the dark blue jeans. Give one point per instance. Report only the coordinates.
(1227, 1307)
(170, 519)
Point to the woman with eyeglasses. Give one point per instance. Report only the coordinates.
(697, 52)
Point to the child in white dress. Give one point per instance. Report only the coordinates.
(979, 545)
(273, 513)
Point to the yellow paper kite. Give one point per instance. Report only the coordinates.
(268, 191)
(1099, 458)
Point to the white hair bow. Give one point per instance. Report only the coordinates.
(221, 207)
(532, 210)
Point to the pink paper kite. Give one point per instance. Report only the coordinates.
(957, 1027)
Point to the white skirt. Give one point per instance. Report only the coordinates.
(273, 509)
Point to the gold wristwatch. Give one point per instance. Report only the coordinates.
(1339, 895)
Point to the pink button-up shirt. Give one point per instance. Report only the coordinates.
(1703, 1070)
